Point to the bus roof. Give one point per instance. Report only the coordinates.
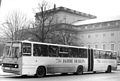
(26, 41)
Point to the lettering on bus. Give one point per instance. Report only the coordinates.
(58, 61)
(104, 61)
(79, 61)
(70, 61)
(67, 60)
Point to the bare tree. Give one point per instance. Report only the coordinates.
(47, 28)
(14, 22)
(44, 20)
(65, 34)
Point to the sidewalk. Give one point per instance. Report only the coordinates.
(7, 74)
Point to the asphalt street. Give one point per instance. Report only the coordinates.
(99, 76)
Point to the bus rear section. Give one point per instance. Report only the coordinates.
(12, 58)
(101, 60)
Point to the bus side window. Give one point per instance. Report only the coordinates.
(74, 52)
(82, 53)
(36, 50)
(96, 54)
(114, 55)
(70, 52)
(107, 55)
(53, 51)
(111, 55)
(63, 52)
(44, 50)
(99, 53)
(102, 54)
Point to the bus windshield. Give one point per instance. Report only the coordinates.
(10, 51)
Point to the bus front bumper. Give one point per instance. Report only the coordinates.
(11, 70)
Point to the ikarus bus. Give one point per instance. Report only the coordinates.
(40, 59)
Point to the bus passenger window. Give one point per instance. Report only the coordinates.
(70, 53)
(82, 53)
(102, 54)
(74, 52)
(63, 52)
(53, 51)
(44, 50)
(114, 54)
(36, 50)
(96, 54)
(107, 54)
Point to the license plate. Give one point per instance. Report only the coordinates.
(7, 68)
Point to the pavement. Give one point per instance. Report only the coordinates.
(10, 74)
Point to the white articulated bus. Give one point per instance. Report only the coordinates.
(39, 59)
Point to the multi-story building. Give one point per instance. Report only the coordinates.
(60, 18)
(66, 15)
(99, 33)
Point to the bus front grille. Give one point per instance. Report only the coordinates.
(10, 65)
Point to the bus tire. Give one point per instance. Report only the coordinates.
(79, 70)
(41, 71)
(64, 73)
(109, 69)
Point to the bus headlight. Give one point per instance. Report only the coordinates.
(2, 65)
(16, 66)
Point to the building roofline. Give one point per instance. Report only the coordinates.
(69, 11)
(96, 20)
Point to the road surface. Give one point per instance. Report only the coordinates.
(100, 76)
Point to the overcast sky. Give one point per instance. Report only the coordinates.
(99, 8)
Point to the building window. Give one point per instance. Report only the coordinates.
(88, 46)
(104, 35)
(82, 44)
(88, 36)
(104, 46)
(112, 46)
(117, 23)
(96, 35)
(96, 46)
(104, 24)
(112, 34)
(82, 36)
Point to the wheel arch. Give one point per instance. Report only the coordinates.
(77, 69)
(41, 66)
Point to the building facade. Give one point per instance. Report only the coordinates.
(60, 19)
(99, 33)
(66, 15)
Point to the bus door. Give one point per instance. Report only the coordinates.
(90, 60)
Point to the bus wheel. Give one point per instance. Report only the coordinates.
(64, 73)
(41, 72)
(79, 70)
(109, 69)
